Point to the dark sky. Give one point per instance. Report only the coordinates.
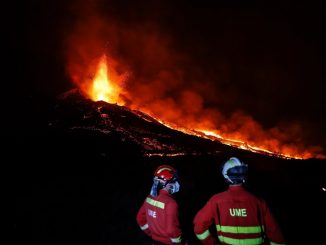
(266, 58)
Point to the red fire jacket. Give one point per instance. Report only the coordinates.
(158, 218)
(240, 218)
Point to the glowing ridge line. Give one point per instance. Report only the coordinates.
(215, 137)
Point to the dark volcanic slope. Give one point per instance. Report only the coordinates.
(77, 115)
(80, 170)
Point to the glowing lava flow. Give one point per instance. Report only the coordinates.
(243, 145)
(106, 88)
(231, 142)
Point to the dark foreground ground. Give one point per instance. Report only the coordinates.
(69, 190)
(83, 189)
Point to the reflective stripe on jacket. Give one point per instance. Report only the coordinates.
(158, 217)
(240, 218)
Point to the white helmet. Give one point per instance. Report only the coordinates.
(235, 171)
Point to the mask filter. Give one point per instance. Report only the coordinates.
(174, 187)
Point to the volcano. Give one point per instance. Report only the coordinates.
(81, 169)
(77, 115)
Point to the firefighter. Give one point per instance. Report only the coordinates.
(158, 216)
(238, 216)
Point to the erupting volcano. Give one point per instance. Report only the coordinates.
(105, 85)
(104, 92)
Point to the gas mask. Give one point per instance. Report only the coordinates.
(174, 187)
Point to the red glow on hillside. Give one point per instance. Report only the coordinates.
(162, 87)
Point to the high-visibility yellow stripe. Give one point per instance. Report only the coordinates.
(203, 235)
(274, 243)
(144, 227)
(240, 229)
(176, 240)
(246, 241)
(155, 203)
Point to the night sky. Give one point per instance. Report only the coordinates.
(266, 58)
